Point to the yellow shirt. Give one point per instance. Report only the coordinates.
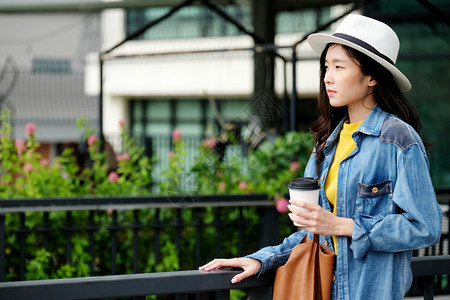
(344, 146)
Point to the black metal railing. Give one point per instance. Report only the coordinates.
(268, 227)
(182, 283)
(113, 209)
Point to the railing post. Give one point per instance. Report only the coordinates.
(22, 231)
(113, 228)
(2, 247)
(45, 229)
(198, 236)
(91, 228)
(428, 287)
(70, 229)
(223, 295)
(178, 225)
(270, 233)
(260, 293)
(157, 227)
(136, 226)
(218, 224)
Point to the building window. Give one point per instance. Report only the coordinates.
(188, 22)
(56, 66)
(194, 118)
(305, 20)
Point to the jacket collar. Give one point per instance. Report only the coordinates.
(374, 121)
(371, 126)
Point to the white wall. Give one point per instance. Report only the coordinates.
(223, 74)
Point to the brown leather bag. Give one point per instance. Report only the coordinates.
(307, 274)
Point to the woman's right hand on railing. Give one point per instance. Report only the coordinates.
(251, 266)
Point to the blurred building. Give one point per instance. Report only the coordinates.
(197, 71)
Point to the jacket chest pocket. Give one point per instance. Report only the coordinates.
(375, 199)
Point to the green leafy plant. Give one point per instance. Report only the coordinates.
(24, 173)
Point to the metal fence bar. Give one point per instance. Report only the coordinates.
(429, 267)
(91, 227)
(130, 203)
(2, 247)
(178, 282)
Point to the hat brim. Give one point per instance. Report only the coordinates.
(318, 42)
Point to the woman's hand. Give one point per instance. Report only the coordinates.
(251, 266)
(319, 220)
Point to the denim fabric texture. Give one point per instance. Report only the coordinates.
(384, 185)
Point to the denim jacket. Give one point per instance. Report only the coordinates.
(385, 187)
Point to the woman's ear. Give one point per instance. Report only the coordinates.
(372, 81)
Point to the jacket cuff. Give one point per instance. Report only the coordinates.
(261, 259)
(360, 237)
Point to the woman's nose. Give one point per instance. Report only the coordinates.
(327, 79)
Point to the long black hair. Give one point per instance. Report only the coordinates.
(386, 92)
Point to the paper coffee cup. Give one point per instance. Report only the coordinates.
(305, 189)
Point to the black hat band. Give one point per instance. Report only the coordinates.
(363, 44)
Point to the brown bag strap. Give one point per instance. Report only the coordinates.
(315, 238)
(317, 287)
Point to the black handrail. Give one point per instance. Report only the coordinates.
(180, 282)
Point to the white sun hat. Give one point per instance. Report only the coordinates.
(369, 36)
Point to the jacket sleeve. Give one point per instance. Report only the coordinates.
(419, 223)
(274, 256)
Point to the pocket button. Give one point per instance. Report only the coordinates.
(375, 190)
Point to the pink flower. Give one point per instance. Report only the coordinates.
(281, 204)
(210, 143)
(92, 139)
(176, 135)
(110, 211)
(20, 146)
(123, 156)
(122, 123)
(222, 186)
(295, 166)
(44, 162)
(170, 154)
(243, 185)
(113, 177)
(28, 167)
(30, 128)
(219, 174)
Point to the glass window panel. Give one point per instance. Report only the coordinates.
(190, 129)
(158, 110)
(158, 129)
(188, 110)
(301, 21)
(42, 65)
(137, 129)
(234, 109)
(188, 22)
(137, 109)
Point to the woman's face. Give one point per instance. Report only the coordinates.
(345, 83)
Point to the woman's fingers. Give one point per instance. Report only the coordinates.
(214, 264)
(220, 263)
(249, 265)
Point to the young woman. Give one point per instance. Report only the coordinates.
(377, 203)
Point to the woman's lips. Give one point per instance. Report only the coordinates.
(331, 92)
